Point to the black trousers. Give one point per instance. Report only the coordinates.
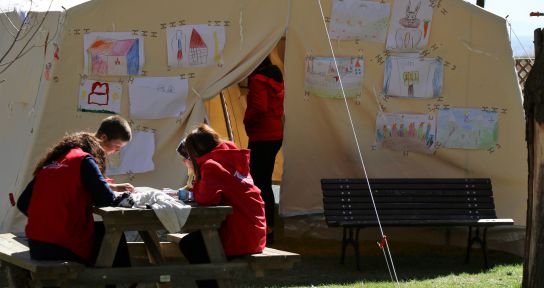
(46, 251)
(193, 248)
(261, 165)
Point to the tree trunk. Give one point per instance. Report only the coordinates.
(533, 269)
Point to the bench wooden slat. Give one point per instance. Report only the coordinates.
(349, 203)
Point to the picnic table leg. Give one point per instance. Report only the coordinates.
(152, 245)
(344, 245)
(215, 251)
(16, 277)
(484, 248)
(108, 249)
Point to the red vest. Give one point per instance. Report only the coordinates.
(60, 210)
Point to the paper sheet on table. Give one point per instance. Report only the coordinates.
(113, 53)
(195, 45)
(136, 156)
(100, 97)
(157, 97)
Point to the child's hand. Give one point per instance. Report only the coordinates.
(122, 187)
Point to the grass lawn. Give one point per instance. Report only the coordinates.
(417, 265)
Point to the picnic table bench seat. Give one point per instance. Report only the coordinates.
(269, 258)
(411, 202)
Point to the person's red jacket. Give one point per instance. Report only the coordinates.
(225, 180)
(60, 210)
(263, 118)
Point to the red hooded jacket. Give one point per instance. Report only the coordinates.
(263, 118)
(60, 210)
(225, 180)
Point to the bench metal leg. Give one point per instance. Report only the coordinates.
(482, 241)
(353, 239)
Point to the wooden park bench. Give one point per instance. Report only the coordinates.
(411, 202)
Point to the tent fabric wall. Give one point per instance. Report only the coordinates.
(319, 143)
(22, 91)
(255, 28)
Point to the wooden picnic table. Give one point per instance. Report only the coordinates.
(208, 219)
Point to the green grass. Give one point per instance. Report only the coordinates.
(499, 276)
(417, 265)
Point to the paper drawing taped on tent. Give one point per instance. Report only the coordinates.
(467, 128)
(157, 97)
(410, 25)
(322, 79)
(195, 45)
(406, 132)
(101, 97)
(359, 19)
(136, 156)
(113, 53)
(413, 77)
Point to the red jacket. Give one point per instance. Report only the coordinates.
(225, 180)
(60, 210)
(263, 119)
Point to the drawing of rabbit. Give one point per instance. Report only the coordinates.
(408, 36)
(411, 20)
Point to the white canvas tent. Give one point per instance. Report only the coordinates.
(318, 140)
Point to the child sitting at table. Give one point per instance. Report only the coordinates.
(67, 182)
(222, 178)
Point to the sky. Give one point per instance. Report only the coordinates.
(517, 11)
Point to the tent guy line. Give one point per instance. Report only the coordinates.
(383, 241)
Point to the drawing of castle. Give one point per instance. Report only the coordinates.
(115, 57)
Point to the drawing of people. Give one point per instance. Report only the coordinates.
(379, 135)
(386, 132)
(428, 132)
(394, 130)
(420, 134)
(401, 130)
(411, 130)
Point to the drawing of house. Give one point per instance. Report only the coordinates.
(115, 57)
(198, 51)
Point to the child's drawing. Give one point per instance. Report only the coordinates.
(136, 156)
(113, 53)
(195, 45)
(359, 19)
(410, 25)
(157, 97)
(322, 79)
(467, 128)
(406, 132)
(100, 97)
(412, 76)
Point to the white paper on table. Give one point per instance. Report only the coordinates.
(115, 53)
(136, 156)
(157, 97)
(100, 96)
(411, 76)
(195, 45)
(359, 19)
(410, 25)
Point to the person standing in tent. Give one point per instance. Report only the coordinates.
(263, 121)
(222, 178)
(58, 201)
(114, 133)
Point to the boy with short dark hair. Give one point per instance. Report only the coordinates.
(114, 133)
